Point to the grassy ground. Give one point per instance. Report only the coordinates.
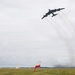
(40, 71)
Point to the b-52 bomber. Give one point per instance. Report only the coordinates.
(52, 12)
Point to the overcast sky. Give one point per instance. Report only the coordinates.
(26, 39)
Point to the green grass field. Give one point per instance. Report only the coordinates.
(39, 71)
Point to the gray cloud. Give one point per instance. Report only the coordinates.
(25, 38)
